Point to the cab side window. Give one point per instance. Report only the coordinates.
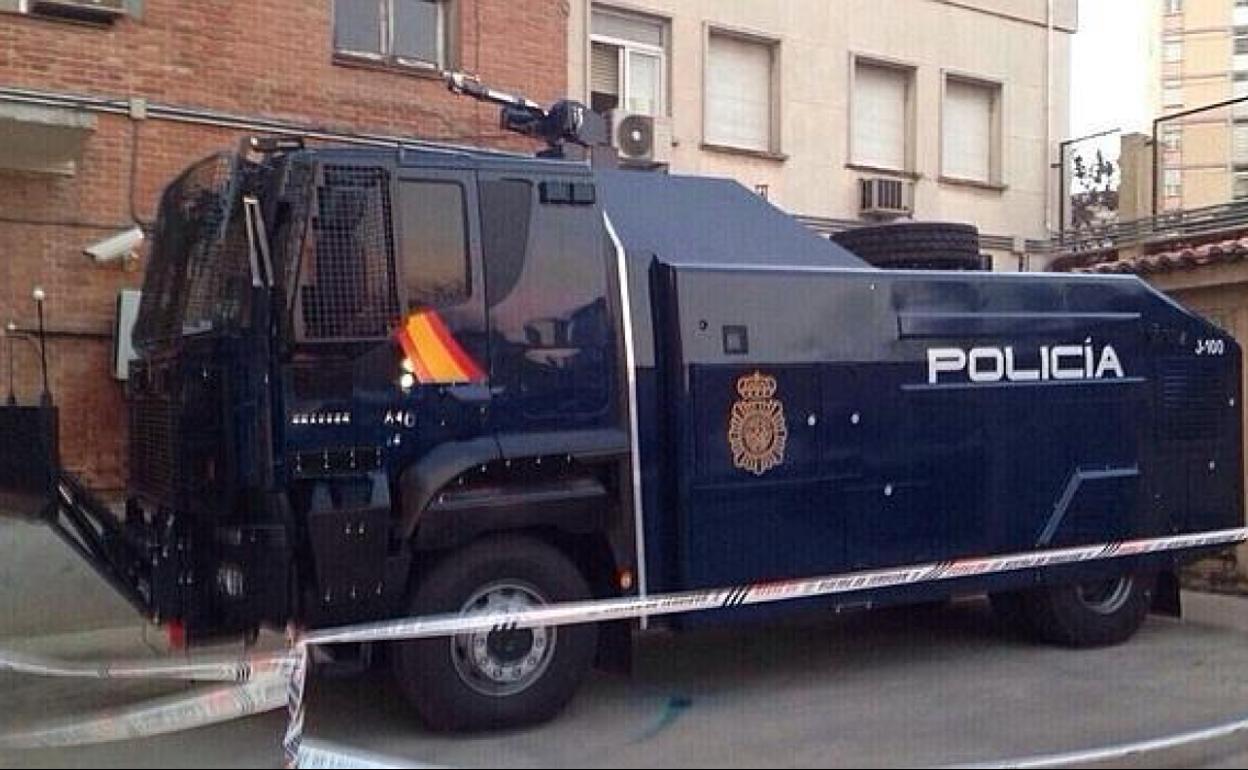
(433, 221)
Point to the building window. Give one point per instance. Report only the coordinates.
(1172, 51)
(1239, 61)
(1171, 94)
(1240, 184)
(881, 133)
(1172, 6)
(1171, 137)
(408, 32)
(971, 131)
(1241, 41)
(1173, 182)
(628, 63)
(90, 11)
(434, 231)
(1239, 90)
(740, 105)
(1239, 144)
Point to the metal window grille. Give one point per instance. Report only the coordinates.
(348, 288)
(199, 274)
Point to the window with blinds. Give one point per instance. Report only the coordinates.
(970, 146)
(880, 134)
(739, 103)
(628, 62)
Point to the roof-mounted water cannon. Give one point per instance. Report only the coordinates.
(563, 123)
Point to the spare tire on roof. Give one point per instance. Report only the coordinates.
(917, 246)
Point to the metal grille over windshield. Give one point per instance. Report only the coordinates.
(198, 277)
(347, 287)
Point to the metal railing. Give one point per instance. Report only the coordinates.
(1166, 225)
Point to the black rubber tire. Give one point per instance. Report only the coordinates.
(1055, 614)
(424, 669)
(917, 246)
(1010, 609)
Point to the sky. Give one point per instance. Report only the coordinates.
(1110, 77)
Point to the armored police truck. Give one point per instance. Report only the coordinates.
(385, 382)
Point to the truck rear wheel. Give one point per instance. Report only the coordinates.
(1092, 614)
(501, 678)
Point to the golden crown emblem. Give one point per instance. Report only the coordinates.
(757, 432)
(756, 387)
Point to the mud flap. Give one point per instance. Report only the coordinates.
(1166, 596)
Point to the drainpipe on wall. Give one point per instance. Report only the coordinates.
(1048, 121)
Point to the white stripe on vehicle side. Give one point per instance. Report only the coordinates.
(634, 430)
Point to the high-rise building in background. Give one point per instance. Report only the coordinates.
(1201, 60)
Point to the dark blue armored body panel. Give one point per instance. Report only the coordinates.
(830, 419)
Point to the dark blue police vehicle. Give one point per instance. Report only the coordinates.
(386, 382)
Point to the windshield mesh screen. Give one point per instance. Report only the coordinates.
(347, 288)
(198, 278)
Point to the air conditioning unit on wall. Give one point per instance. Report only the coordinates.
(87, 10)
(641, 140)
(884, 197)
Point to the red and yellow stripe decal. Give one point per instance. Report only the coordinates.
(436, 357)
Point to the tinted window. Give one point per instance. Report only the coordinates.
(435, 244)
(506, 207)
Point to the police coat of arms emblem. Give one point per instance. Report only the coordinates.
(757, 431)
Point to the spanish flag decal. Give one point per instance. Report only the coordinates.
(435, 356)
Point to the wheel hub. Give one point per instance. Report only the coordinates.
(503, 662)
(1105, 597)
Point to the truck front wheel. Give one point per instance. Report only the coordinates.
(1092, 614)
(499, 678)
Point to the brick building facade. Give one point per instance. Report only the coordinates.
(107, 110)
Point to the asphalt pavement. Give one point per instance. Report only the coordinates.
(929, 686)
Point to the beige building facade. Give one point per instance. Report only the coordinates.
(1201, 60)
(808, 102)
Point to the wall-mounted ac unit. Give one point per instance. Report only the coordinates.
(90, 10)
(881, 196)
(641, 140)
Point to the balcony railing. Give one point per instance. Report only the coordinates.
(1189, 223)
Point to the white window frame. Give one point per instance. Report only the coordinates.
(996, 151)
(1172, 51)
(1172, 183)
(1172, 6)
(626, 48)
(1238, 175)
(133, 9)
(774, 133)
(1171, 137)
(1174, 87)
(910, 70)
(385, 39)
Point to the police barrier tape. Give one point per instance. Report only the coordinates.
(169, 714)
(282, 682)
(208, 669)
(625, 608)
(1119, 752)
